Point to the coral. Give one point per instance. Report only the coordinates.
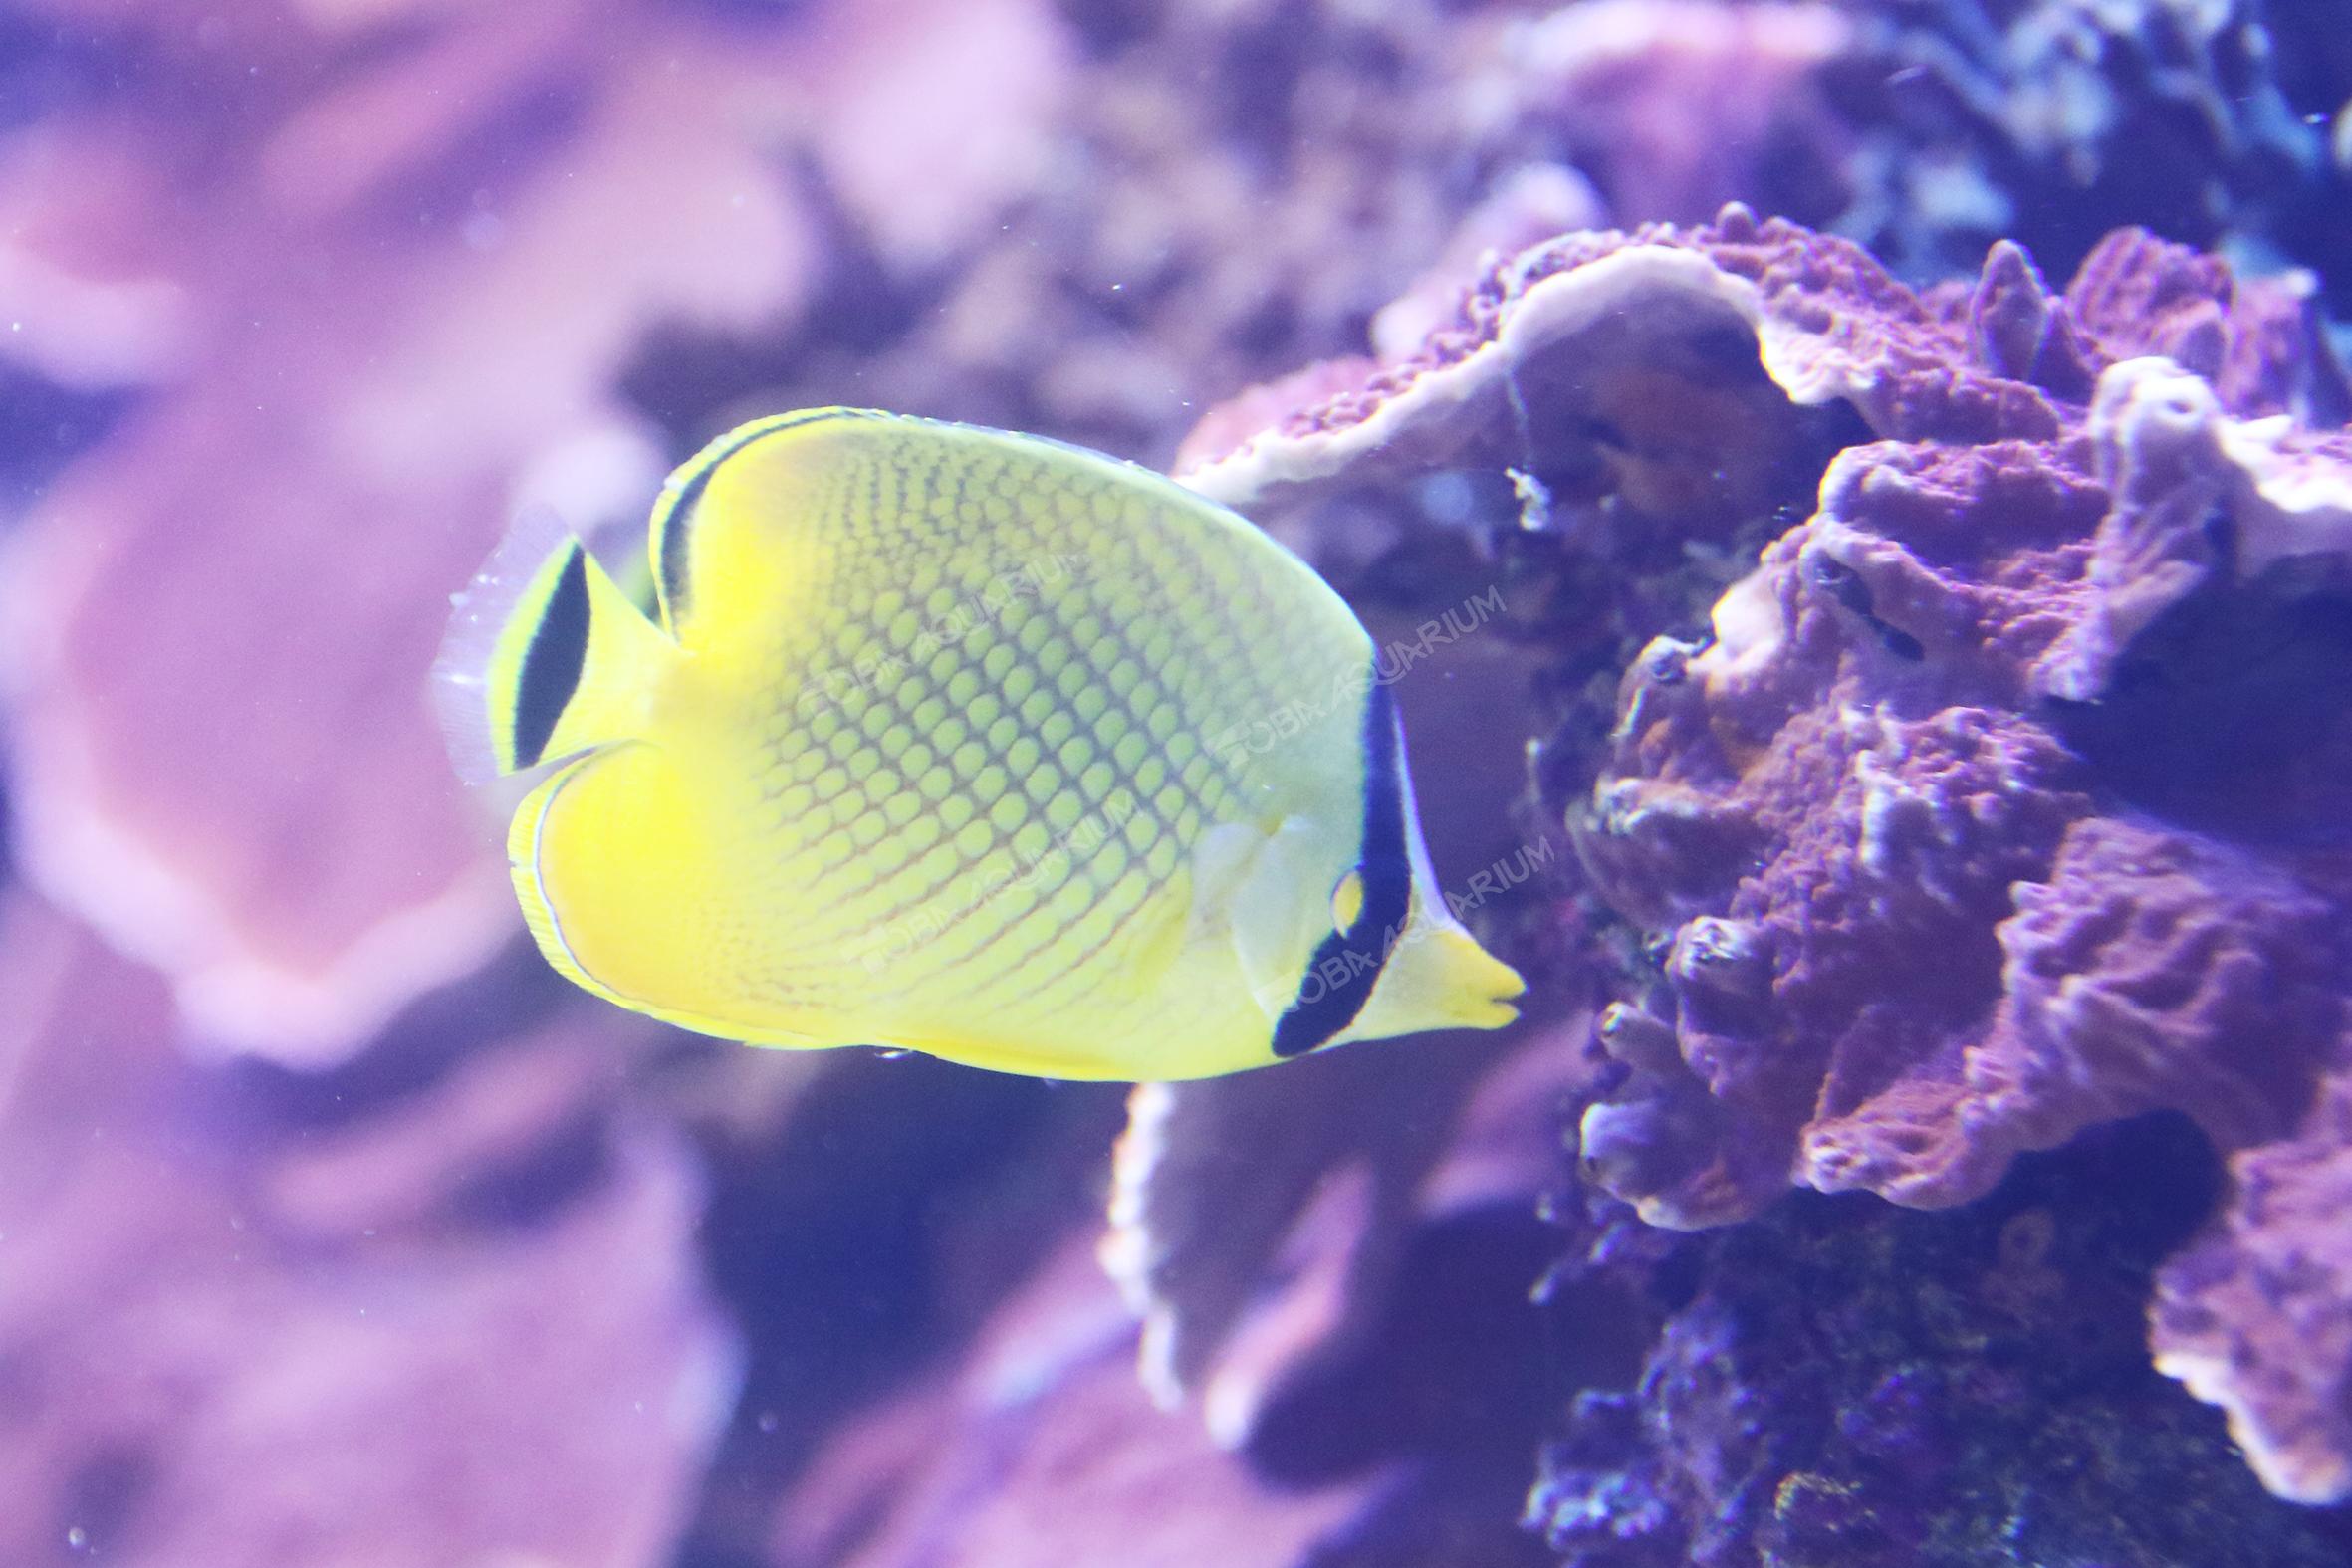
(1922, 852)
(2173, 461)
(2253, 1315)
(1036, 1445)
(1571, 360)
(1845, 1382)
(1614, 81)
(2053, 121)
(1315, 1181)
(1233, 189)
(1930, 130)
(1596, 341)
(270, 531)
(1041, 1448)
(233, 1334)
(1923, 726)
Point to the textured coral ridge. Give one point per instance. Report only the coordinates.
(2005, 795)
(1847, 1383)
(1828, 322)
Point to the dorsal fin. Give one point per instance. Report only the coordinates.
(671, 541)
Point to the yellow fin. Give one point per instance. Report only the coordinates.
(679, 535)
(523, 835)
(603, 905)
(545, 656)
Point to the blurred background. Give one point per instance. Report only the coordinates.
(334, 1228)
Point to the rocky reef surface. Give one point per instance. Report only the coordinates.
(1839, 1382)
(1998, 799)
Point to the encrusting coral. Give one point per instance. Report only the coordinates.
(1901, 720)
(1918, 847)
(1844, 1382)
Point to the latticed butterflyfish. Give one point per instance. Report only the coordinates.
(965, 742)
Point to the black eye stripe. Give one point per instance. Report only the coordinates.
(552, 663)
(1339, 978)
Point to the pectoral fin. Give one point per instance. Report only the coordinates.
(1272, 895)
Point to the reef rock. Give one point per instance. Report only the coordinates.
(2001, 796)
(1968, 907)
(2053, 121)
(466, 1323)
(1038, 1447)
(1842, 1382)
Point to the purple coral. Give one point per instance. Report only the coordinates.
(1926, 855)
(1842, 1382)
(2253, 1315)
(2153, 967)
(1918, 901)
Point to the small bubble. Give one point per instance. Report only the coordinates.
(76, 1538)
(767, 1420)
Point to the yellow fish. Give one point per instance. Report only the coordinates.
(965, 742)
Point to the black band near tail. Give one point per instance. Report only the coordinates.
(1346, 964)
(552, 663)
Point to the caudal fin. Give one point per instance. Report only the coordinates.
(544, 657)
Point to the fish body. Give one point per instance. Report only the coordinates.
(965, 742)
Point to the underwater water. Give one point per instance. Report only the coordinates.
(1826, 1042)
